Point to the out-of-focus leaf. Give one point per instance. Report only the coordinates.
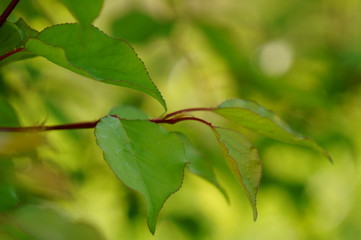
(45, 224)
(8, 197)
(139, 27)
(13, 36)
(7, 114)
(260, 120)
(199, 165)
(95, 55)
(17, 143)
(129, 113)
(85, 11)
(243, 161)
(145, 157)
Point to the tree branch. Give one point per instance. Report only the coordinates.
(8, 11)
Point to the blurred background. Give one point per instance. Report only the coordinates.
(300, 59)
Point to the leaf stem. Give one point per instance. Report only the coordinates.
(8, 11)
(92, 124)
(8, 54)
(186, 110)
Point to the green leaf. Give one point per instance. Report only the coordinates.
(94, 55)
(128, 113)
(85, 11)
(45, 224)
(7, 114)
(243, 161)
(13, 36)
(139, 27)
(260, 120)
(145, 158)
(199, 165)
(8, 195)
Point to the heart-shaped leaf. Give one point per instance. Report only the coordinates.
(145, 157)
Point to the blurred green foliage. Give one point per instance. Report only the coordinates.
(299, 58)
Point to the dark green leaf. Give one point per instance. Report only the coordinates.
(139, 27)
(7, 114)
(85, 11)
(243, 161)
(145, 158)
(199, 165)
(95, 55)
(13, 36)
(260, 120)
(8, 197)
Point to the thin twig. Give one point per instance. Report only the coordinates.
(8, 54)
(8, 11)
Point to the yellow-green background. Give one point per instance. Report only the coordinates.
(301, 59)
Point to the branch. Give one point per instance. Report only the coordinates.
(2, 57)
(71, 126)
(7, 11)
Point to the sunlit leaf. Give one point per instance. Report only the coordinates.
(199, 165)
(85, 11)
(243, 161)
(45, 224)
(145, 158)
(95, 55)
(128, 113)
(260, 120)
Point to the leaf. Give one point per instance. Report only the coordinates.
(139, 27)
(85, 11)
(243, 161)
(45, 224)
(145, 158)
(260, 120)
(128, 113)
(200, 166)
(7, 114)
(13, 36)
(95, 55)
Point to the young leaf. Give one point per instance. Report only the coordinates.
(260, 120)
(199, 166)
(95, 55)
(145, 158)
(243, 161)
(85, 11)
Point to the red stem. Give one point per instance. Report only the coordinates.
(2, 57)
(8, 11)
(186, 110)
(87, 125)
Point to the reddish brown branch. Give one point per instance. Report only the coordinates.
(8, 54)
(186, 110)
(81, 125)
(8, 11)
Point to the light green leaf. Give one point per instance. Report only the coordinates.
(260, 120)
(199, 165)
(95, 55)
(243, 160)
(85, 11)
(145, 157)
